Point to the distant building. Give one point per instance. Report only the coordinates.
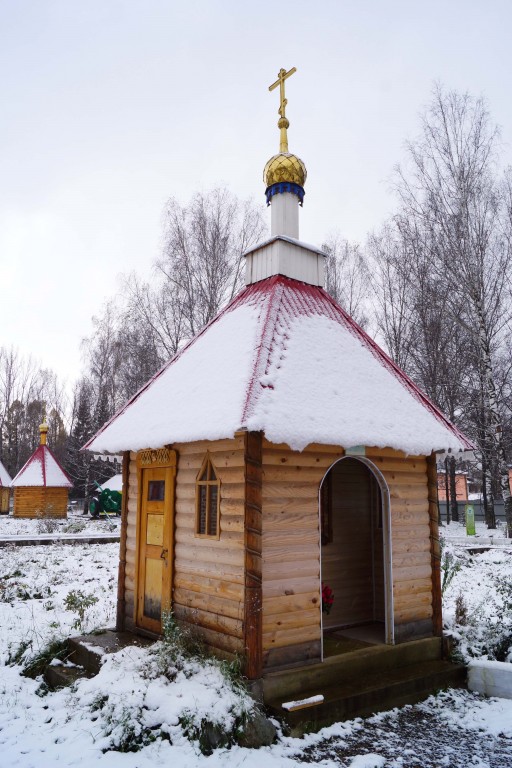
(461, 486)
(41, 486)
(5, 492)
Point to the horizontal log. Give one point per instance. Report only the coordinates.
(200, 447)
(293, 474)
(228, 540)
(210, 586)
(274, 540)
(291, 603)
(409, 517)
(214, 640)
(407, 573)
(404, 545)
(293, 620)
(212, 604)
(290, 586)
(413, 614)
(227, 571)
(221, 460)
(225, 475)
(283, 554)
(387, 464)
(413, 559)
(412, 586)
(288, 521)
(310, 459)
(405, 602)
(277, 571)
(214, 621)
(373, 452)
(405, 491)
(227, 491)
(414, 531)
(272, 507)
(302, 653)
(281, 638)
(285, 491)
(204, 551)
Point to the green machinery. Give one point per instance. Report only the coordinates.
(105, 502)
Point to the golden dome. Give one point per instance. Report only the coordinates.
(285, 167)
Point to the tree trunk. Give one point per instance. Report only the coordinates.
(488, 496)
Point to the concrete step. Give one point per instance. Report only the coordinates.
(376, 659)
(89, 650)
(85, 655)
(61, 675)
(368, 694)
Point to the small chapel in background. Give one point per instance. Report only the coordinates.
(41, 486)
(5, 491)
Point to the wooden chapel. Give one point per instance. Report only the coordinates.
(41, 486)
(279, 452)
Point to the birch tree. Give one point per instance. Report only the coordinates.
(450, 190)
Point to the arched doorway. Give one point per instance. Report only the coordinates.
(356, 556)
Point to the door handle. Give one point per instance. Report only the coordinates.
(164, 554)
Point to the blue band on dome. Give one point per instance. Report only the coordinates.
(284, 186)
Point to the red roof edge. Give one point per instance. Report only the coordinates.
(40, 450)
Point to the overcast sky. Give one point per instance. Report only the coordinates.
(110, 107)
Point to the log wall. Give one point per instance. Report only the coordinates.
(130, 565)
(209, 589)
(4, 500)
(407, 480)
(38, 501)
(209, 579)
(291, 552)
(208, 576)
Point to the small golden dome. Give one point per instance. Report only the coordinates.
(285, 167)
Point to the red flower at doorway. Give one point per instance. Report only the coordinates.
(327, 598)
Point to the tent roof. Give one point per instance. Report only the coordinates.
(283, 358)
(42, 469)
(5, 478)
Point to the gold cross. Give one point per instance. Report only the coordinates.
(283, 123)
(281, 77)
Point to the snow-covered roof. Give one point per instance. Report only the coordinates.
(283, 358)
(5, 478)
(115, 483)
(42, 469)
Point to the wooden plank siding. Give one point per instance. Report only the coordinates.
(291, 552)
(406, 477)
(209, 588)
(37, 501)
(130, 536)
(272, 526)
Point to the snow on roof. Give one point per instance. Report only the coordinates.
(5, 478)
(115, 483)
(283, 358)
(42, 468)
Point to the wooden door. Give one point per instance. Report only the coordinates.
(155, 545)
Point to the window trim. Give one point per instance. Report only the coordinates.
(207, 465)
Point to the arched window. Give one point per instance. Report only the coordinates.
(207, 501)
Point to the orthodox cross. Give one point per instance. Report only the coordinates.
(283, 123)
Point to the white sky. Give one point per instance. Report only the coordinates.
(109, 107)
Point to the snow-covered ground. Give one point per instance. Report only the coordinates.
(75, 524)
(138, 692)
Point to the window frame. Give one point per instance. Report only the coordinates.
(209, 483)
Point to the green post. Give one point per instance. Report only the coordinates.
(470, 520)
